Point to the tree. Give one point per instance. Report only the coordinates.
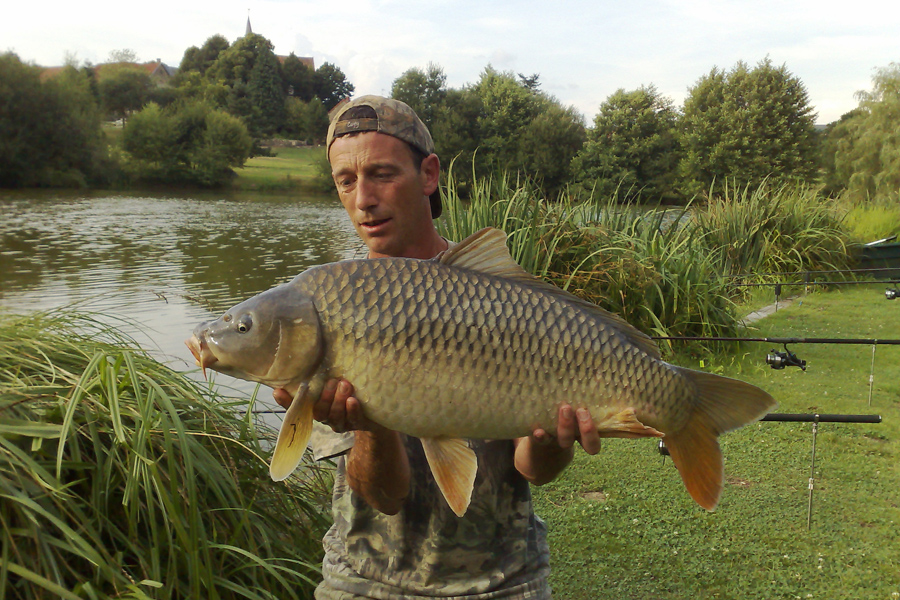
(199, 60)
(423, 90)
(251, 76)
(123, 88)
(865, 144)
(499, 124)
(507, 108)
(455, 131)
(51, 132)
(746, 125)
(125, 55)
(530, 81)
(265, 91)
(836, 141)
(632, 149)
(316, 121)
(299, 80)
(332, 85)
(189, 142)
(548, 145)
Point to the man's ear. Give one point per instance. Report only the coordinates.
(431, 173)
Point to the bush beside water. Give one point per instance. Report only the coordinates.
(121, 478)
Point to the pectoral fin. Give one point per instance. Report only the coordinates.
(293, 436)
(454, 466)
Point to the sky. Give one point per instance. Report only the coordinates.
(583, 50)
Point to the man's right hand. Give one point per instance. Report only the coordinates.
(336, 407)
(377, 465)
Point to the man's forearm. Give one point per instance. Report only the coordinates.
(378, 469)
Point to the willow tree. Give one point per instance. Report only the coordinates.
(866, 144)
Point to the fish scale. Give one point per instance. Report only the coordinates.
(527, 361)
(469, 345)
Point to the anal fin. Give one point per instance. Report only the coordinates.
(454, 466)
(293, 436)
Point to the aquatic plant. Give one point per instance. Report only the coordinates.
(122, 478)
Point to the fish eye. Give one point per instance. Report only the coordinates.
(244, 324)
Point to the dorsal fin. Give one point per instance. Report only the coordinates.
(485, 251)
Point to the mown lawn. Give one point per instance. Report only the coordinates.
(622, 526)
(289, 169)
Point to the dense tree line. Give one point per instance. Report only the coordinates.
(49, 131)
(736, 127)
(192, 131)
(271, 97)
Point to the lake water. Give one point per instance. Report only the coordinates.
(164, 262)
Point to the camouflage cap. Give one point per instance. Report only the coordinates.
(394, 118)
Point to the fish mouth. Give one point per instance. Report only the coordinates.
(201, 352)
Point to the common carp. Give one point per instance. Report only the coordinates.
(468, 345)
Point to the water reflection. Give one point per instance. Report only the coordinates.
(166, 263)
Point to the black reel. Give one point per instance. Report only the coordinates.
(780, 360)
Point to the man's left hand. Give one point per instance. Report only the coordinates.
(571, 425)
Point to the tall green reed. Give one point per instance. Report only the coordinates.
(122, 478)
(644, 265)
(772, 229)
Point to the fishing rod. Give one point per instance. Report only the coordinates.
(778, 284)
(779, 360)
(807, 273)
(815, 419)
(780, 340)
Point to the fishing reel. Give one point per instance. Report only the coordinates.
(780, 360)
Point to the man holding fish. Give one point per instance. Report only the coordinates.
(394, 535)
(464, 370)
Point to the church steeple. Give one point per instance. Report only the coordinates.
(249, 30)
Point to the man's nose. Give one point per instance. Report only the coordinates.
(366, 196)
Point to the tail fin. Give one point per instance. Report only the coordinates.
(722, 404)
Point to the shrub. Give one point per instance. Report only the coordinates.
(122, 478)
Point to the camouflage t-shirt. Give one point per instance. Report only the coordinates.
(498, 549)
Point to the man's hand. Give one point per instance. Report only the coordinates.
(572, 425)
(336, 407)
(541, 457)
(377, 465)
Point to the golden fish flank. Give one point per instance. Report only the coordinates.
(469, 345)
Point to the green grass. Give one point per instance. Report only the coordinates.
(121, 478)
(302, 168)
(875, 220)
(622, 526)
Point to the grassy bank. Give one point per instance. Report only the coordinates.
(121, 478)
(622, 526)
(302, 169)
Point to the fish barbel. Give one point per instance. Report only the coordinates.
(469, 345)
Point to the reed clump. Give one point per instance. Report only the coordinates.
(666, 271)
(771, 229)
(120, 478)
